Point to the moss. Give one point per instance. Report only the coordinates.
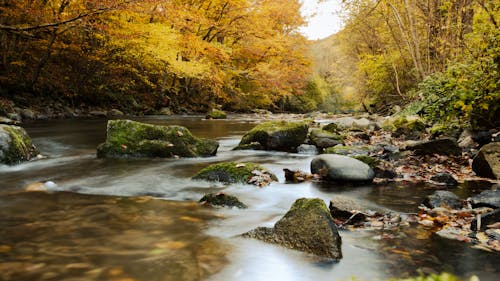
(277, 135)
(308, 204)
(127, 138)
(20, 147)
(332, 128)
(370, 161)
(216, 114)
(319, 133)
(221, 199)
(231, 172)
(410, 126)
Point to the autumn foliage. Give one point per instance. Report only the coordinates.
(196, 54)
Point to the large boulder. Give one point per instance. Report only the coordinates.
(231, 172)
(341, 168)
(487, 161)
(307, 226)
(126, 138)
(276, 135)
(15, 145)
(444, 146)
(323, 139)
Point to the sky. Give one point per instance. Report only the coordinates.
(324, 21)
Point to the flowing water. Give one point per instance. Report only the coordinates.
(108, 219)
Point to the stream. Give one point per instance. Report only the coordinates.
(110, 219)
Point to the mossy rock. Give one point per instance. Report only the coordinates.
(222, 200)
(349, 150)
(277, 135)
(324, 139)
(216, 114)
(332, 128)
(369, 160)
(126, 138)
(410, 126)
(15, 145)
(232, 172)
(307, 226)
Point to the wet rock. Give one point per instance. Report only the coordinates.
(324, 139)
(296, 176)
(444, 179)
(98, 113)
(466, 139)
(231, 172)
(14, 116)
(15, 145)
(165, 111)
(216, 114)
(443, 199)
(277, 135)
(307, 226)
(487, 161)
(445, 146)
(350, 150)
(7, 121)
(346, 211)
(384, 173)
(28, 114)
(115, 113)
(126, 138)
(332, 128)
(487, 198)
(222, 200)
(307, 149)
(249, 146)
(341, 168)
(486, 219)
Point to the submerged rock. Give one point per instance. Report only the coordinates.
(443, 198)
(341, 168)
(222, 200)
(307, 226)
(231, 172)
(487, 161)
(276, 135)
(126, 138)
(15, 145)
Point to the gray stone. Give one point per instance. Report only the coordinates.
(115, 113)
(308, 227)
(487, 198)
(443, 198)
(466, 139)
(307, 149)
(341, 168)
(487, 161)
(15, 145)
(28, 114)
(98, 113)
(445, 146)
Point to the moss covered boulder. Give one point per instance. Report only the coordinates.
(276, 135)
(216, 114)
(222, 200)
(411, 127)
(15, 145)
(231, 172)
(323, 139)
(126, 138)
(307, 226)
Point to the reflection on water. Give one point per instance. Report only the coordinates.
(86, 237)
(68, 235)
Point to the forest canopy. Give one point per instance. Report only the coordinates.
(239, 53)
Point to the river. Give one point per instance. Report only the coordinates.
(107, 219)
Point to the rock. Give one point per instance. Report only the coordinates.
(332, 128)
(341, 168)
(347, 211)
(355, 123)
(14, 116)
(445, 146)
(15, 145)
(28, 114)
(487, 161)
(231, 172)
(368, 160)
(277, 135)
(222, 200)
(350, 150)
(165, 111)
(324, 139)
(486, 219)
(411, 127)
(115, 113)
(296, 176)
(466, 139)
(443, 199)
(125, 138)
(308, 227)
(487, 198)
(98, 113)
(483, 137)
(307, 149)
(216, 114)
(7, 121)
(444, 179)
